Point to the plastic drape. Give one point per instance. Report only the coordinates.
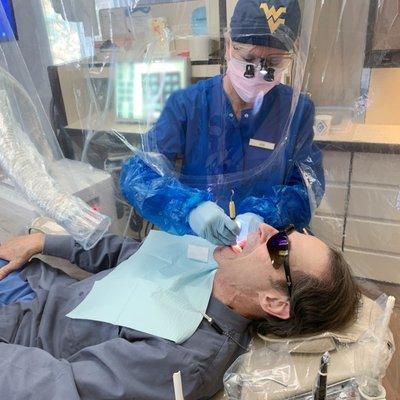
(138, 89)
(26, 168)
(260, 150)
(357, 357)
(144, 48)
(26, 145)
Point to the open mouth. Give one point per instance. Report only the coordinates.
(250, 241)
(238, 248)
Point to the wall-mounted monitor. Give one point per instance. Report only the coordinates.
(8, 26)
(141, 89)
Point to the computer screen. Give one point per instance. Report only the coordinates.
(141, 89)
(8, 26)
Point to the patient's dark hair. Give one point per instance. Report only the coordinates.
(318, 305)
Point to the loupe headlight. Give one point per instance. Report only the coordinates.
(250, 71)
(267, 72)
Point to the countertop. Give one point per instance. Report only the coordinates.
(357, 137)
(363, 138)
(107, 123)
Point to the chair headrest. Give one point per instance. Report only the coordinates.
(368, 315)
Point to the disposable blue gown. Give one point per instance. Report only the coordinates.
(198, 126)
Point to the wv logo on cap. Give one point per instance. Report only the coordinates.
(273, 16)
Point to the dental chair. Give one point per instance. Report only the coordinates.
(352, 354)
(348, 348)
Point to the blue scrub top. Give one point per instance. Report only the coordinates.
(199, 125)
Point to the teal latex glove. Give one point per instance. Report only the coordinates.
(211, 223)
(248, 222)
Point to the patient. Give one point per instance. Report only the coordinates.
(46, 355)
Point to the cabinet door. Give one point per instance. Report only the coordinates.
(376, 236)
(336, 166)
(213, 18)
(328, 229)
(376, 169)
(373, 249)
(374, 203)
(230, 6)
(329, 219)
(374, 266)
(334, 200)
(372, 237)
(336, 169)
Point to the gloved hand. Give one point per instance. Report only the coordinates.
(210, 222)
(248, 222)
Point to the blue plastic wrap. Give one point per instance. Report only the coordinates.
(160, 198)
(286, 205)
(284, 186)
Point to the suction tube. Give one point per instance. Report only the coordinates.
(25, 167)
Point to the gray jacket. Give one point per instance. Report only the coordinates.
(46, 355)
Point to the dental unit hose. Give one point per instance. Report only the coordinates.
(26, 168)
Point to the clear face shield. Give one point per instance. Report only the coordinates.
(247, 130)
(157, 84)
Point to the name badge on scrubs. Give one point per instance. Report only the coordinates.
(262, 144)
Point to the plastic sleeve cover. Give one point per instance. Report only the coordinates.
(161, 199)
(294, 202)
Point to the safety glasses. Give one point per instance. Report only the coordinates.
(276, 61)
(267, 68)
(278, 249)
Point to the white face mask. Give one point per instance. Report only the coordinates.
(249, 89)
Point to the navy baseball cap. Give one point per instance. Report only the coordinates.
(271, 23)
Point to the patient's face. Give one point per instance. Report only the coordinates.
(307, 254)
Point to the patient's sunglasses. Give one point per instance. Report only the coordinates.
(278, 249)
